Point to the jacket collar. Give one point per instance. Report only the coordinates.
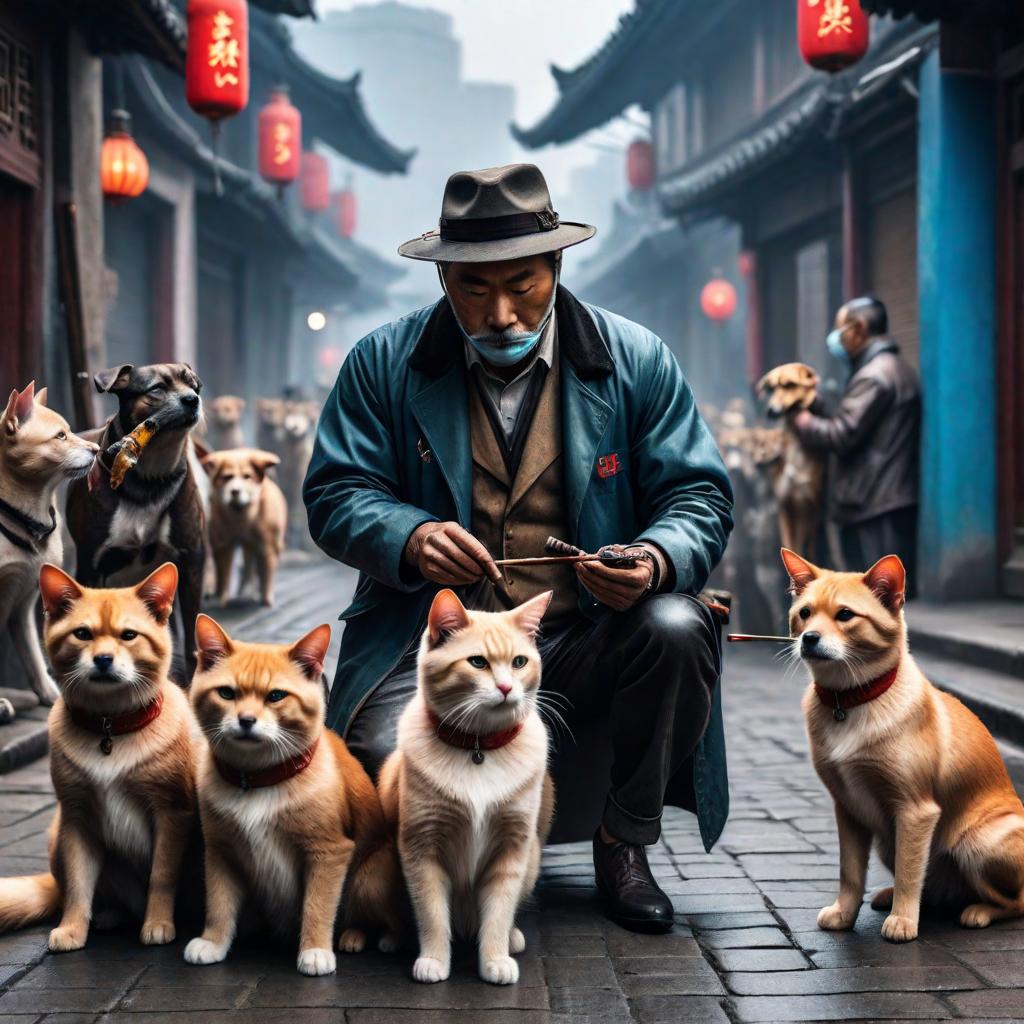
(579, 340)
(875, 348)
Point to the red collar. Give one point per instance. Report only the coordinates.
(109, 726)
(472, 741)
(840, 701)
(267, 776)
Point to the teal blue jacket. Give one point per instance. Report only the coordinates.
(393, 451)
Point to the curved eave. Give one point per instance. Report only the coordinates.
(151, 28)
(293, 8)
(978, 12)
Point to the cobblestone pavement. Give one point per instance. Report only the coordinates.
(745, 946)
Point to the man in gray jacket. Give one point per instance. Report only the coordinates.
(875, 435)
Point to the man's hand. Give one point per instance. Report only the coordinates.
(618, 588)
(448, 554)
(803, 419)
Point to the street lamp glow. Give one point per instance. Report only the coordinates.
(316, 321)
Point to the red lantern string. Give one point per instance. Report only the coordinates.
(718, 299)
(315, 182)
(124, 169)
(345, 211)
(833, 34)
(640, 165)
(280, 140)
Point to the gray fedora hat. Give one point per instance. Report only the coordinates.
(499, 213)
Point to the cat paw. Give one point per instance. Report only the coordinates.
(978, 915)
(430, 970)
(388, 943)
(835, 919)
(899, 929)
(317, 961)
(203, 951)
(352, 941)
(502, 970)
(882, 900)
(65, 938)
(157, 933)
(516, 941)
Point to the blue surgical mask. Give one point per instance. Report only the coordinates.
(834, 343)
(507, 348)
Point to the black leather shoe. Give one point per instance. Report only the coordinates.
(632, 897)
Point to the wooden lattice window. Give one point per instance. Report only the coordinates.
(19, 104)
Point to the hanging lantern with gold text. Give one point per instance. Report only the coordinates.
(280, 139)
(833, 34)
(315, 183)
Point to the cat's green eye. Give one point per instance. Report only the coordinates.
(477, 661)
(275, 695)
(519, 661)
(82, 633)
(225, 693)
(844, 615)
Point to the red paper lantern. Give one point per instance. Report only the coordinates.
(640, 165)
(124, 169)
(315, 182)
(718, 300)
(833, 34)
(345, 212)
(280, 139)
(217, 62)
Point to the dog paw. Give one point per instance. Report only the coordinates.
(977, 915)
(47, 694)
(65, 938)
(317, 961)
(502, 970)
(203, 951)
(899, 929)
(352, 941)
(430, 970)
(516, 941)
(882, 900)
(157, 933)
(834, 919)
(388, 943)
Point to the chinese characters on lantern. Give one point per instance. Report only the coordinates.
(224, 50)
(835, 17)
(282, 140)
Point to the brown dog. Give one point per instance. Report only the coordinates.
(247, 510)
(909, 767)
(798, 477)
(224, 422)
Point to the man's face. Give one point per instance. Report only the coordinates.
(510, 295)
(854, 333)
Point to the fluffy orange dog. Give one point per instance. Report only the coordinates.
(907, 765)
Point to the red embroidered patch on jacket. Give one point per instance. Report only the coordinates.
(608, 465)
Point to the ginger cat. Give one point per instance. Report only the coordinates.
(467, 788)
(288, 813)
(121, 758)
(909, 767)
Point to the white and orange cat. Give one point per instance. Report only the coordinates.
(467, 788)
(288, 813)
(121, 759)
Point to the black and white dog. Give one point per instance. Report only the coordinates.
(157, 513)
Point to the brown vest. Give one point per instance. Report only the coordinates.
(513, 518)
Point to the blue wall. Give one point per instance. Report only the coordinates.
(957, 295)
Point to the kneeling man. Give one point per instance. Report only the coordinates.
(473, 429)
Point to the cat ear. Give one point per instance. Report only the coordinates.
(157, 591)
(309, 652)
(19, 408)
(887, 580)
(528, 615)
(41, 397)
(447, 614)
(801, 572)
(212, 643)
(59, 591)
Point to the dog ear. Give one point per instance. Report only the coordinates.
(762, 385)
(261, 461)
(529, 613)
(58, 591)
(157, 591)
(210, 462)
(887, 580)
(309, 652)
(212, 643)
(447, 614)
(801, 572)
(113, 379)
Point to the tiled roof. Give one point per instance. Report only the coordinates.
(978, 11)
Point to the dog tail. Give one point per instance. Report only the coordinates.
(28, 899)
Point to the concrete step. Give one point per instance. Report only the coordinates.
(25, 738)
(985, 634)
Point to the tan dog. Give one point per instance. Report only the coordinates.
(270, 413)
(224, 422)
(247, 510)
(297, 430)
(121, 760)
(38, 451)
(798, 477)
(908, 766)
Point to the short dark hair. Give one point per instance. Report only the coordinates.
(871, 312)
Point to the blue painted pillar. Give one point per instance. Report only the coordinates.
(957, 305)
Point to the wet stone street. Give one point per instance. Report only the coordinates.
(745, 946)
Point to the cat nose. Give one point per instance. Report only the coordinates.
(506, 688)
(246, 722)
(810, 639)
(103, 661)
